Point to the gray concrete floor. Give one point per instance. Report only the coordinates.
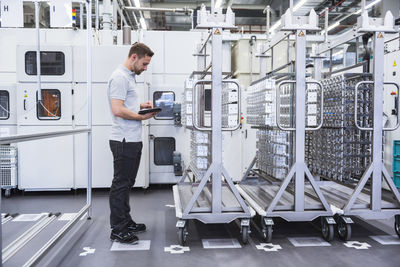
(149, 206)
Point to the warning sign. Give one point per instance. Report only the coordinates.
(380, 35)
(217, 32)
(301, 33)
(394, 64)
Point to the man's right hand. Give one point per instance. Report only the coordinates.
(148, 115)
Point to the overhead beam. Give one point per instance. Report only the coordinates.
(194, 5)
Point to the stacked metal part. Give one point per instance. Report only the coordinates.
(339, 150)
(200, 152)
(199, 140)
(261, 103)
(229, 105)
(273, 155)
(186, 107)
(8, 167)
(273, 147)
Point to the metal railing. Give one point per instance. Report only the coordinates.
(35, 259)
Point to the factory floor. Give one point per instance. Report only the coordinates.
(293, 244)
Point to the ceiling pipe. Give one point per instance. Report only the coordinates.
(154, 9)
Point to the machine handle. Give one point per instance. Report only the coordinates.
(278, 105)
(25, 104)
(322, 106)
(398, 104)
(356, 104)
(194, 106)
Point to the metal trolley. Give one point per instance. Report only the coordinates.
(214, 199)
(368, 202)
(285, 199)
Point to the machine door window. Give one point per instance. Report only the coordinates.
(4, 105)
(51, 63)
(50, 106)
(165, 101)
(163, 149)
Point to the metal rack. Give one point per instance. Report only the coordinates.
(8, 167)
(340, 151)
(214, 199)
(365, 199)
(288, 200)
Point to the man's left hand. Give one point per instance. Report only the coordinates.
(147, 104)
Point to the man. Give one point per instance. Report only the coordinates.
(126, 140)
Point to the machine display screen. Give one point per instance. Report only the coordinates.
(51, 63)
(50, 106)
(4, 105)
(165, 101)
(163, 149)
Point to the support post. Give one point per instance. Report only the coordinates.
(89, 101)
(300, 95)
(377, 133)
(216, 120)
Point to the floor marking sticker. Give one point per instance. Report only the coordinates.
(386, 239)
(70, 216)
(221, 243)
(176, 249)
(268, 247)
(87, 250)
(67, 216)
(170, 206)
(142, 245)
(357, 245)
(308, 242)
(28, 217)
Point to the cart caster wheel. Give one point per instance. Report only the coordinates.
(343, 229)
(7, 193)
(397, 225)
(327, 230)
(267, 233)
(245, 234)
(182, 236)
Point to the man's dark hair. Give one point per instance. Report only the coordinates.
(141, 50)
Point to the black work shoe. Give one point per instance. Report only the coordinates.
(125, 236)
(136, 227)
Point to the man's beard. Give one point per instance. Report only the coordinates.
(136, 70)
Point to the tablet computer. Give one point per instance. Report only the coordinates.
(149, 110)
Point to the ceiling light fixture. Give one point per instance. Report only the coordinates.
(143, 23)
(337, 23)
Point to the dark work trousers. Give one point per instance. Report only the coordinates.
(126, 164)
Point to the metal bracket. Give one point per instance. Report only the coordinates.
(347, 220)
(329, 220)
(180, 223)
(367, 24)
(245, 222)
(268, 221)
(302, 22)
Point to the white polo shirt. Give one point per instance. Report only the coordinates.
(122, 85)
